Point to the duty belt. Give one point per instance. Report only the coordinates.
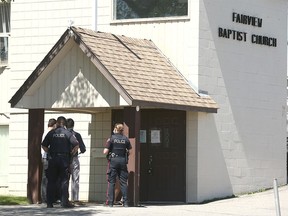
(59, 154)
(113, 155)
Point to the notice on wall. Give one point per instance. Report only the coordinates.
(142, 136)
(155, 136)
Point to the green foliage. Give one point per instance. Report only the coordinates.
(13, 200)
(6, 1)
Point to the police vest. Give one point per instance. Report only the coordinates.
(60, 141)
(118, 143)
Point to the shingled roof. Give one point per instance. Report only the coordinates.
(136, 67)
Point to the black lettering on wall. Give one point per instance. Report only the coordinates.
(263, 40)
(232, 34)
(242, 36)
(246, 20)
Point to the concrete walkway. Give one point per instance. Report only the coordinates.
(258, 204)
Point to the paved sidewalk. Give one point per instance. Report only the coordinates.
(258, 204)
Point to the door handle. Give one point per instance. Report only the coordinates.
(150, 160)
(150, 167)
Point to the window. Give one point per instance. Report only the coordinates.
(137, 9)
(4, 32)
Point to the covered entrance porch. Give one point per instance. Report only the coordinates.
(92, 72)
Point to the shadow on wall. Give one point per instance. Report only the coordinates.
(213, 168)
(2, 70)
(85, 86)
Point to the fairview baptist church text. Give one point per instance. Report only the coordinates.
(243, 36)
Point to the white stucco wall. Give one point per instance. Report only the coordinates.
(246, 146)
(192, 156)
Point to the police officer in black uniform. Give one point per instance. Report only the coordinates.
(118, 147)
(58, 143)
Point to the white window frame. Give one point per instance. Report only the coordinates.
(6, 35)
(147, 20)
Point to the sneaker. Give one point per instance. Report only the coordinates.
(57, 202)
(78, 203)
(110, 205)
(118, 203)
(126, 205)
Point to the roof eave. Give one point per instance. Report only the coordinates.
(148, 104)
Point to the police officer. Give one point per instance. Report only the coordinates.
(58, 143)
(118, 147)
(51, 126)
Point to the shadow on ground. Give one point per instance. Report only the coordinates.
(42, 210)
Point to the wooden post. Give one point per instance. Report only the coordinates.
(35, 131)
(132, 130)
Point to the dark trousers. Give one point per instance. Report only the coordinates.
(58, 172)
(117, 167)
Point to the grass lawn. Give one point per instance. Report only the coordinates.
(13, 200)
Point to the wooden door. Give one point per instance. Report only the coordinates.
(162, 156)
